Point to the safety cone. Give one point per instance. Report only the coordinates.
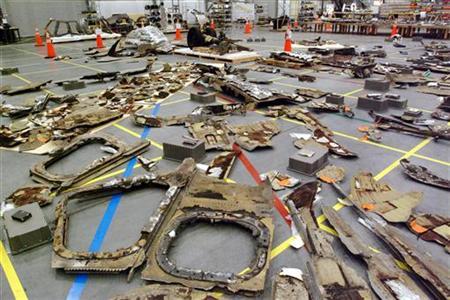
(38, 39)
(295, 24)
(247, 28)
(99, 39)
(287, 40)
(178, 36)
(212, 25)
(51, 53)
(394, 30)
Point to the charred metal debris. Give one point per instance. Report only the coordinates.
(321, 133)
(379, 198)
(212, 201)
(437, 132)
(122, 153)
(422, 174)
(249, 93)
(328, 277)
(217, 134)
(289, 60)
(39, 123)
(206, 39)
(126, 258)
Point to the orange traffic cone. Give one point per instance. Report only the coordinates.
(38, 39)
(287, 40)
(212, 25)
(295, 24)
(51, 53)
(178, 36)
(99, 39)
(394, 30)
(247, 28)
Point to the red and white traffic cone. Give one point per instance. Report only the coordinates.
(178, 36)
(212, 25)
(99, 39)
(287, 40)
(51, 53)
(38, 39)
(247, 28)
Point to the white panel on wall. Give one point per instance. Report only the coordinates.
(243, 10)
(29, 14)
(136, 7)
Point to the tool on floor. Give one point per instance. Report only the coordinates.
(51, 53)
(38, 39)
(332, 174)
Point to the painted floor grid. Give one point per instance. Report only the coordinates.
(116, 223)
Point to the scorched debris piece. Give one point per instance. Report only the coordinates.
(299, 113)
(386, 123)
(431, 228)
(40, 172)
(221, 165)
(125, 258)
(212, 201)
(214, 133)
(251, 136)
(289, 60)
(423, 175)
(245, 91)
(325, 139)
(328, 276)
(435, 278)
(386, 278)
(166, 292)
(40, 194)
(369, 195)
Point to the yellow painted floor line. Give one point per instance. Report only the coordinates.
(62, 61)
(135, 134)
(352, 92)
(370, 143)
(273, 253)
(129, 131)
(392, 166)
(82, 66)
(11, 275)
(338, 206)
(21, 78)
(281, 248)
(175, 102)
(109, 175)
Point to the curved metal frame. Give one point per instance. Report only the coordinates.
(256, 227)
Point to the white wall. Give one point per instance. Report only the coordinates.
(136, 7)
(29, 14)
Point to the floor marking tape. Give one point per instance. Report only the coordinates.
(135, 134)
(80, 280)
(406, 155)
(20, 78)
(11, 275)
(352, 92)
(273, 254)
(255, 174)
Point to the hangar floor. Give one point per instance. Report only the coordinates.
(215, 248)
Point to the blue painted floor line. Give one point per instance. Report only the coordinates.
(80, 280)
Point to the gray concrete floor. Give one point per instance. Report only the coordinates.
(202, 246)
